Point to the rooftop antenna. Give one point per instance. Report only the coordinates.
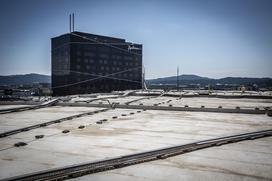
(70, 19)
(73, 20)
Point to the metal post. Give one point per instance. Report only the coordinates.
(177, 78)
(143, 78)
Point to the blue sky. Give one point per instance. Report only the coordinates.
(216, 38)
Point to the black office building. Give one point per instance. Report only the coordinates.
(87, 63)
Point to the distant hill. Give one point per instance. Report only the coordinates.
(195, 79)
(184, 79)
(24, 79)
(187, 77)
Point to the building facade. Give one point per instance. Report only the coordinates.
(87, 63)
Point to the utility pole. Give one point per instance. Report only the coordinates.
(177, 78)
(143, 79)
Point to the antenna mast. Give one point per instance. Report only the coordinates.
(70, 19)
(72, 22)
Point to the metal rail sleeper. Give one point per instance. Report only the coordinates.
(118, 162)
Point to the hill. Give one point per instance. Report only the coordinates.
(195, 79)
(24, 79)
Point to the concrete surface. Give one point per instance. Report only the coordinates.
(248, 160)
(140, 131)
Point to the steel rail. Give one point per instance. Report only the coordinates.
(126, 94)
(174, 108)
(25, 108)
(150, 97)
(78, 170)
(16, 131)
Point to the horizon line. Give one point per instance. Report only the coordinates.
(157, 77)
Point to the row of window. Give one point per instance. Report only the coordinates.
(106, 56)
(124, 76)
(102, 48)
(100, 87)
(86, 60)
(88, 67)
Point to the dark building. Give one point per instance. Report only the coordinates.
(87, 63)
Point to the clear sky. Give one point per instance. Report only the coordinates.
(213, 38)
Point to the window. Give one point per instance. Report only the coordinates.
(89, 47)
(105, 62)
(91, 61)
(78, 53)
(86, 60)
(78, 67)
(127, 58)
(89, 54)
(103, 49)
(78, 59)
(88, 67)
(103, 56)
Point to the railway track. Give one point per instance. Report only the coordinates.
(25, 108)
(16, 131)
(175, 108)
(135, 100)
(118, 162)
(150, 97)
(126, 94)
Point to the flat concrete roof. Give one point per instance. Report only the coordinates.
(248, 160)
(135, 131)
